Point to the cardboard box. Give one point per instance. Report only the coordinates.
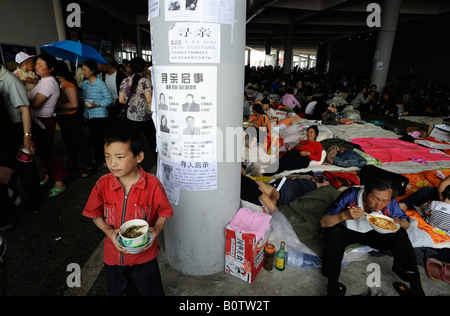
(243, 254)
(440, 132)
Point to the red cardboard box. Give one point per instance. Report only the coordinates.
(243, 254)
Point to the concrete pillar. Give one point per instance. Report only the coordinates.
(287, 66)
(139, 40)
(195, 236)
(268, 46)
(329, 57)
(385, 42)
(59, 20)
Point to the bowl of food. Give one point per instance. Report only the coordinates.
(89, 103)
(382, 224)
(134, 233)
(134, 250)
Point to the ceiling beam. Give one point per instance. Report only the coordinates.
(255, 7)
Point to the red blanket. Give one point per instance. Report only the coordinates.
(395, 150)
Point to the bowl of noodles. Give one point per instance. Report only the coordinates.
(134, 233)
(382, 224)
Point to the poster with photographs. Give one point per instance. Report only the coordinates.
(194, 43)
(214, 11)
(186, 108)
(165, 173)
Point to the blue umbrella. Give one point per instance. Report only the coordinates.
(73, 51)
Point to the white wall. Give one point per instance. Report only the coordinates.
(27, 22)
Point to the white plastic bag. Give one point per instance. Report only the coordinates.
(299, 255)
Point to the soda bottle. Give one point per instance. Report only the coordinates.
(280, 261)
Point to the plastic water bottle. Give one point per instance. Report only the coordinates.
(295, 259)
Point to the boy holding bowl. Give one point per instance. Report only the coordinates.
(127, 193)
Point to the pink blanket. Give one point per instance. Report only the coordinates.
(248, 221)
(395, 150)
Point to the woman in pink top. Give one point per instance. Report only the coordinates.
(43, 99)
(290, 101)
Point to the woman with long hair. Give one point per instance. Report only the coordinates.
(137, 92)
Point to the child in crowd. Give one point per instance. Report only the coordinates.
(268, 109)
(127, 193)
(25, 70)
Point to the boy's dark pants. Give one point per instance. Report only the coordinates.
(338, 237)
(138, 280)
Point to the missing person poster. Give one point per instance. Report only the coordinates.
(194, 43)
(214, 11)
(186, 109)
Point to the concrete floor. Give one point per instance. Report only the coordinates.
(293, 281)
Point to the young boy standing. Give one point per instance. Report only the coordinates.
(127, 193)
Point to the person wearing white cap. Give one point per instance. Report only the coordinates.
(25, 70)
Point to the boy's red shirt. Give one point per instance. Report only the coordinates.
(146, 200)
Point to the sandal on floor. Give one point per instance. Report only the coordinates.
(87, 172)
(401, 289)
(435, 269)
(55, 192)
(446, 274)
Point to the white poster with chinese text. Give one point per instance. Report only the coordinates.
(186, 108)
(214, 11)
(153, 9)
(194, 43)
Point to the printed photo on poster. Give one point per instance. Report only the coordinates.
(165, 173)
(212, 11)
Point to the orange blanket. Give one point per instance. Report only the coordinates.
(417, 181)
(288, 121)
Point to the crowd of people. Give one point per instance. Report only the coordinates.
(42, 95)
(307, 91)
